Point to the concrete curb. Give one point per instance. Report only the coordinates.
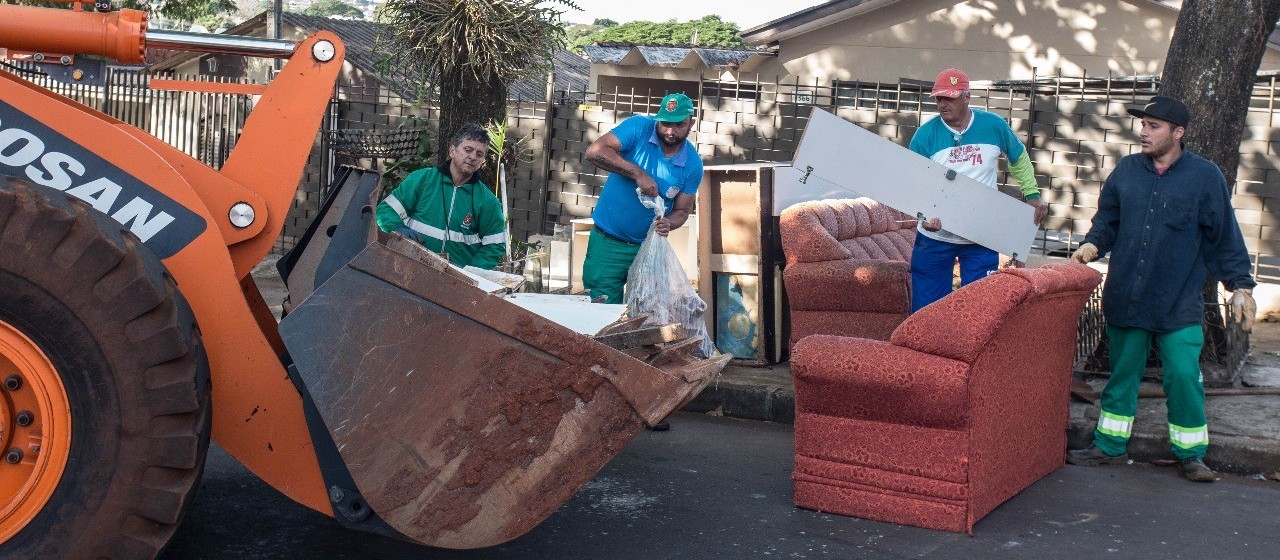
(768, 395)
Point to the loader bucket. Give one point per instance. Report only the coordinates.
(464, 420)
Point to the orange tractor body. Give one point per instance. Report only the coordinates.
(131, 330)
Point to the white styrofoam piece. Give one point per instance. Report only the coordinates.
(837, 156)
(482, 283)
(574, 312)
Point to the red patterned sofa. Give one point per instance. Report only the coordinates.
(848, 267)
(963, 407)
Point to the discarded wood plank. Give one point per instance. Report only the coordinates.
(642, 353)
(642, 337)
(622, 325)
(675, 350)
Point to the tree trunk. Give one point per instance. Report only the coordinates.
(465, 99)
(1211, 66)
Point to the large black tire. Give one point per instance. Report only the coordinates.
(125, 345)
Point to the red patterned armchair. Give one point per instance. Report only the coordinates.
(963, 407)
(848, 267)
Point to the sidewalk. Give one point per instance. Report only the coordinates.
(1244, 431)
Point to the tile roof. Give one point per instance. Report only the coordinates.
(663, 55)
(359, 37)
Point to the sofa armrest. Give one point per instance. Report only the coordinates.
(877, 286)
(873, 380)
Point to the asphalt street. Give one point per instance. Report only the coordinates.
(720, 488)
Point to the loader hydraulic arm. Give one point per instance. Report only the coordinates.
(240, 208)
(250, 196)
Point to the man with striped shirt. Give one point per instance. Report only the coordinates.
(447, 209)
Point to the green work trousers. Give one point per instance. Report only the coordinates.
(604, 271)
(1183, 384)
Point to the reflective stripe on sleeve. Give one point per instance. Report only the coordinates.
(495, 238)
(394, 203)
(437, 233)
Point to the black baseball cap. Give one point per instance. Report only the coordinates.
(1164, 108)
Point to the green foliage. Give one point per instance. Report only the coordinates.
(214, 21)
(380, 12)
(402, 167)
(604, 22)
(185, 10)
(710, 31)
(575, 31)
(471, 50)
(326, 8)
(505, 149)
(506, 39)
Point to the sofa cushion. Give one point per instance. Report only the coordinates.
(970, 316)
(875, 286)
(892, 384)
(827, 230)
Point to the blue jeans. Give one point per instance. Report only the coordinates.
(932, 262)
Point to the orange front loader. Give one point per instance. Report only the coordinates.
(397, 396)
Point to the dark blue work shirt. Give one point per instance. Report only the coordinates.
(1164, 232)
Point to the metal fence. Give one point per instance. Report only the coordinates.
(205, 126)
(1076, 130)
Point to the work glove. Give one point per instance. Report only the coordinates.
(1243, 308)
(1087, 253)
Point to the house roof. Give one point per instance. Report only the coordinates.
(835, 11)
(626, 54)
(359, 37)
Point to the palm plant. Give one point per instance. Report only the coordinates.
(470, 52)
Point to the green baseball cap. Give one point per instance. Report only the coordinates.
(676, 107)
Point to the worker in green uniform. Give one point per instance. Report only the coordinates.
(447, 209)
(1165, 216)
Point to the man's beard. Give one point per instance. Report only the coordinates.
(677, 142)
(1159, 150)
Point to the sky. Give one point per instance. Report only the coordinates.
(745, 13)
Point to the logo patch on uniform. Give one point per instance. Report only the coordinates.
(954, 80)
(671, 105)
(466, 222)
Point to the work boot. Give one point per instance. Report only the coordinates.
(1092, 456)
(659, 427)
(1195, 470)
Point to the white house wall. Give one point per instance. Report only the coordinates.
(988, 39)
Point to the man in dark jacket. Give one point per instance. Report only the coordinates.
(1165, 216)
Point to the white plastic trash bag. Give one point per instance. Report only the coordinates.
(658, 287)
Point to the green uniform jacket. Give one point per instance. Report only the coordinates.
(428, 203)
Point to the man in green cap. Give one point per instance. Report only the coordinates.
(651, 155)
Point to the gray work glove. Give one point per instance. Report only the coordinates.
(1243, 308)
(1087, 253)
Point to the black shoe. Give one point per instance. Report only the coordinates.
(1092, 456)
(659, 427)
(1195, 470)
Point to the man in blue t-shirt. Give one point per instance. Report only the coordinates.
(970, 141)
(654, 155)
